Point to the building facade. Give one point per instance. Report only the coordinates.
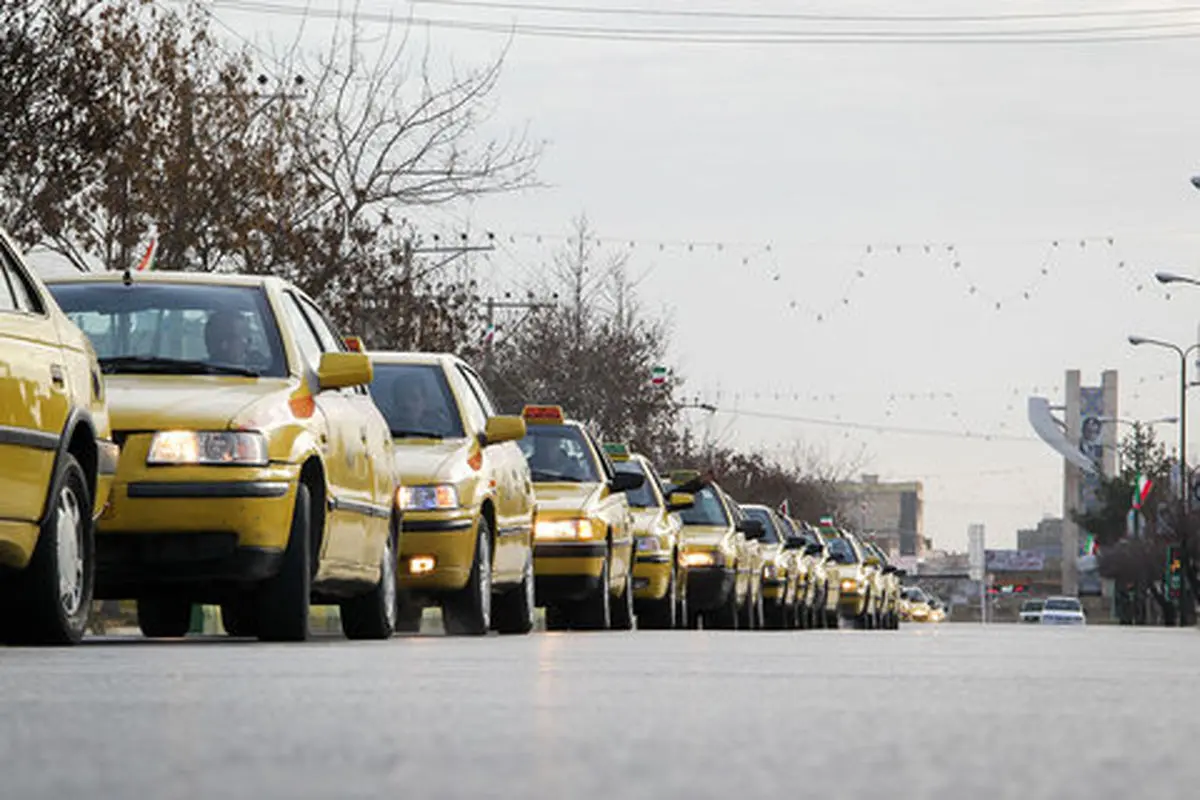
(889, 513)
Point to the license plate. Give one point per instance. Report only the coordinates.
(641, 583)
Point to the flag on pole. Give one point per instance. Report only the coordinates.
(1142, 491)
(785, 509)
(489, 335)
(147, 262)
(658, 376)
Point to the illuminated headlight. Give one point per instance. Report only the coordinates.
(849, 586)
(441, 496)
(245, 448)
(701, 559)
(647, 544)
(563, 529)
(770, 572)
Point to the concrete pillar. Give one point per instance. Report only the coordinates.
(1071, 484)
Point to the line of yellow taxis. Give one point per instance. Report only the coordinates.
(181, 438)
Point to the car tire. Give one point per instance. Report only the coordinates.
(284, 599)
(725, 616)
(54, 591)
(594, 613)
(408, 613)
(623, 618)
(237, 616)
(468, 612)
(372, 615)
(164, 617)
(662, 614)
(512, 612)
(557, 618)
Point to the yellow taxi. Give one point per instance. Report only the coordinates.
(255, 471)
(466, 495)
(856, 580)
(57, 460)
(720, 556)
(888, 612)
(914, 605)
(659, 591)
(781, 569)
(583, 535)
(814, 590)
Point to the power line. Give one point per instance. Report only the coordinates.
(878, 428)
(801, 16)
(1084, 35)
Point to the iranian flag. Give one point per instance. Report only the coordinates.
(658, 376)
(1142, 491)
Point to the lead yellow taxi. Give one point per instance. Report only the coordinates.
(466, 495)
(583, 536)
(660, 591)
(56, 462)
(255, 471)
(720, 556)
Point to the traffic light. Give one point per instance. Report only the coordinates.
(1174, 572)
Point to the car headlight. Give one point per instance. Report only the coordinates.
(647, 543)
(702, 558)
(770, 572)
(563, 529)
(849, 586)
(438, 497)
(241, 448)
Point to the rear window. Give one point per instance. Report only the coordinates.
(559, 453)
(416, 401)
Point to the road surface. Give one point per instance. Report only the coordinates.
(953, 711)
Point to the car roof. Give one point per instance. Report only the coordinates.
(202, 278)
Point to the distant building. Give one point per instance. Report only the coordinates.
(890, 514)
(1046, 538)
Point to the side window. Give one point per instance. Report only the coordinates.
(605, 465)
(306, 339)
(22, 296)
(472, 407)
(7, 301)
(329, 342)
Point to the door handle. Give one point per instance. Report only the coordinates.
(56, 375)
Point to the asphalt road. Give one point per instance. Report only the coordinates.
(955, 711)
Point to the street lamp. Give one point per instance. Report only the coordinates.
(1183, 354)
(1162, 276)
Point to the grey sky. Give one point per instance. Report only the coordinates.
(824, 150)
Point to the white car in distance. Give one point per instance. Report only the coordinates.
(1063, 611)
(1031, 610)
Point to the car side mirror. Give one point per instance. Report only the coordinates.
(793, 544)
(813, 550)
(752, 528)
(888, 569)
(503, 428)
(680, 501)
(625, 482)
(903, 573)
(339, 370)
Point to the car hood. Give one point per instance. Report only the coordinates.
(704, 535)
(421, 461)
(565, 497)
(645, 521)
(198, 402)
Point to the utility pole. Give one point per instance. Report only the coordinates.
(452, 252)
(492, 304)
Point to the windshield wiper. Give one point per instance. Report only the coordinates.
(416, 435)
(170, 366)
(554, 477)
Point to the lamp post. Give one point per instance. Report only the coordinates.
(1183, 354)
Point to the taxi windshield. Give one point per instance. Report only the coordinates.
(770, 534)
(841, 551)
(559, 453)
(644, 496)
(416, 401)
(707, 510)
(176, 328)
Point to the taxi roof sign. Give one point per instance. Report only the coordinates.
(543, 415)
(618, 451)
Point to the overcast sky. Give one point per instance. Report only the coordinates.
(809, 162)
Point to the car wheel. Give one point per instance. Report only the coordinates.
(623, 618)
(557, 618)
(55, 588)
(468, 612)
(594, 613)
(284, 599)
(164, 617)
(661, 615)
(513, 611)
(373, 615)
(237, 616)
(408, 613)
(725, 616)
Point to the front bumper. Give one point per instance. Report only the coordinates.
(449, 538)
(775, 589)
(652, 575)
(709, 587)
(567, 570)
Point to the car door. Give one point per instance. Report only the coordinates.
(371, 471)
(345, 531)
(34, 395)
(617, 507)
(514, 486)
